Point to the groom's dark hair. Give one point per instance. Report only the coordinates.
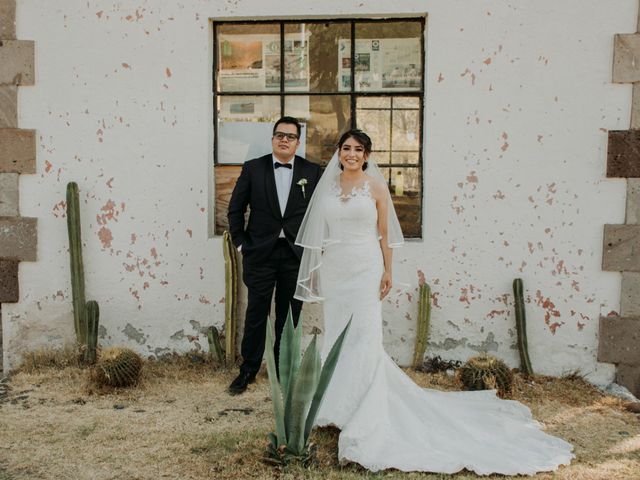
(291, 120)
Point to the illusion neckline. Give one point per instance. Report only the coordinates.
(363, 191)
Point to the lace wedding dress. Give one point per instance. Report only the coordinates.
(386, 420)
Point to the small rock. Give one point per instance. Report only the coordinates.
(633, 407)
(118, 406)
(619, 391)
(79, 401)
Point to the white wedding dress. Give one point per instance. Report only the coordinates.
(386, 420)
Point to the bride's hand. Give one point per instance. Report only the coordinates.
(385, 285)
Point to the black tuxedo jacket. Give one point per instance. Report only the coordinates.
(256, 188)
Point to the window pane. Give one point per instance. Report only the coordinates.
(374, 102)
(245, 124)
(313, 61)
(407, 199)
(403, 158)
(326, 117)
(376, 124)
(225, 178)
(406, 124)
(408, 205)
(406, 102)
(245, 54)
(388, 56)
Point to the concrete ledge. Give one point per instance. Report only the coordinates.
(9, 195)
(9, 290)
(17, 150)
(17, 62)
(621, 250)
(18, 238)
(618, 340)
(623, 154)
(629, 376)
(626, 58)
(7, 19)
(9, 106)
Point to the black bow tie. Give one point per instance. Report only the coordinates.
(285, 165)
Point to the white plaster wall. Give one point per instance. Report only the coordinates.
(519, 100)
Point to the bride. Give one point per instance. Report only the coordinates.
(386, 420)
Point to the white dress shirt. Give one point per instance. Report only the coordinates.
(283, 177)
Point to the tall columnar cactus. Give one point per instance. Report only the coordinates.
(521, 327)
(77, 267)
(215, 347)
(424, 316)
(92, 311)
(231, 297)
(86, 315)
(298, 393)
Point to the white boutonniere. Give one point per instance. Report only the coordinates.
(302, 182)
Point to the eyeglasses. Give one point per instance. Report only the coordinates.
(292, 137)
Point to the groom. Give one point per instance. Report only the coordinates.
(277, 187)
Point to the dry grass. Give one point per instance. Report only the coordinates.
(180, 423)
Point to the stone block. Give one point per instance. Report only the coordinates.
(632, 215)
(17, 150)
(8, 195)
(618, 340)
(635, 107)
(18, 238)
(630, 295)
(623, 153)
(9, 292)
(17, 62)
(9, 106)
(621, 251)
(7, 19)
(626, 58)
(629, 376)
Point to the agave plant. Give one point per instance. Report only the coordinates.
(298, 392)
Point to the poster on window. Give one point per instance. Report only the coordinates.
(380, 64)
(252, 62)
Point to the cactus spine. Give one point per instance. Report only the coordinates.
(231, 297)
(85, 314)
(424, 317)
(521, 328)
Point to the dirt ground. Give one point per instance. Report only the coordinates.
(180, 423)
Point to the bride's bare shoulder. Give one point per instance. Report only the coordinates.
(377, 187)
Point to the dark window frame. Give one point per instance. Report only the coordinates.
(352, 92)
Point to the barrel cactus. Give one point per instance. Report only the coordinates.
(485, 372)
(118, 367)
(297, 392)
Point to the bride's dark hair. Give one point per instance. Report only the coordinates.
(360, 137)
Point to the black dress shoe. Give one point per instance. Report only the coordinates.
(239, 385)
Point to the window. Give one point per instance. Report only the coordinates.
(332, 76)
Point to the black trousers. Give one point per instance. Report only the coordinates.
(279, 271)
